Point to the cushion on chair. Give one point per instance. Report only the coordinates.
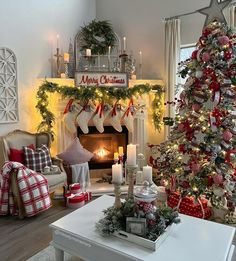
(75, 153)
(18, 155)
(37, 159)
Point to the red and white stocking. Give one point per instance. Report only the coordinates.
(128, 117)
(70, 113)
(100, 115)
(115, 117)
(85, 114)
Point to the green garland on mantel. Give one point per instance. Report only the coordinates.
(91, 93)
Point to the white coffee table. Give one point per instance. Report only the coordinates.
(193, 239)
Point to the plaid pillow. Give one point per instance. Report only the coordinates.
(37, 159)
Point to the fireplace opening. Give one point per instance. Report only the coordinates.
(103, 145)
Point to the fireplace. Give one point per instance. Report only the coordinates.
(103, 145)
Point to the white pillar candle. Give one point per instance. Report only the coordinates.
(140, 57)
(88, 52)
(121, 150)
(116, 156)
(117, 176)
(147, 174)
(131, 155)
(124, 39)
(66, 57)
(109, 51)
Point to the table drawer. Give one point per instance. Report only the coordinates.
(87, 250)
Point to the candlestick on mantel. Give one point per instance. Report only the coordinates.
(140, 65)
(147, 174)
(58, 40)
(131, 155)
(58, 62)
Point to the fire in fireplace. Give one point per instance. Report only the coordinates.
(103, 145)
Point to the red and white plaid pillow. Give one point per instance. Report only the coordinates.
(37, 159)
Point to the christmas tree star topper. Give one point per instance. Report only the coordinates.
(214, 11)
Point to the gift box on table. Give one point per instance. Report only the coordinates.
(189, 205)
(75, 188)
(77, 200)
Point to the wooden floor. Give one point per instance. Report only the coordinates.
(21, 239)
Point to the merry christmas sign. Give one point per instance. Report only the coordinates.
(101, 79)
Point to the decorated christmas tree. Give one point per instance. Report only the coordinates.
(199, 159)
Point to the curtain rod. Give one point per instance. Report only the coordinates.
(180, 15)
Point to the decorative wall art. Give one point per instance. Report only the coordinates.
(8, 86)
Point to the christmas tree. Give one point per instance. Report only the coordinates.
(199, 157)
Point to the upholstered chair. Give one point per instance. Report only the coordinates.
(17, 140)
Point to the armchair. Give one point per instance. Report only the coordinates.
(18, 138)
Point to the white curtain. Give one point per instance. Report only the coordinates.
(232, 16)
(172, 51)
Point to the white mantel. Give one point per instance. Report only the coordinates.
(144, 130)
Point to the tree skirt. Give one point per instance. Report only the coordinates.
(48, 254)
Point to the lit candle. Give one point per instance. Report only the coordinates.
(58, 40)
(117, 176)
(116, 156)
(140, 57)
(66, 57)
(109, 51)
(131, 155)
(147, 174)
(88, 52)
(121, 151)
(124, 39)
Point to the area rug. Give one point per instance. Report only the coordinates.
(48, 254)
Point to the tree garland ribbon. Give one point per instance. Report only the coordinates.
(92, 93)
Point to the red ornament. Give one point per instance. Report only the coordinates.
(206, 32)
(218, 179)
(227, 135)
(206, 57)
(227, 55)
(194, 54)
(223, 40)
(196, 107)
(215, 86)
(182, 148)
(210, 181)
(195, 167)
(181, 127)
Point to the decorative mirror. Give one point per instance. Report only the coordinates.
(8, 86)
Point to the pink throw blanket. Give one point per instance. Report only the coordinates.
(33, 188)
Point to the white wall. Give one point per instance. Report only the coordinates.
(141, 22)
(29, 28)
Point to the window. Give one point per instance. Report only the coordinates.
(185, 53)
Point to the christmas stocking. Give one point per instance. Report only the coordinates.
(101, 113)
(70, 113)
(84, 116)
(128, 117)
(115, 117)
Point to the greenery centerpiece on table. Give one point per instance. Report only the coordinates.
(157, 219)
